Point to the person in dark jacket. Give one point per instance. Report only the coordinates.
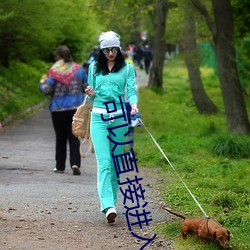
(147, 54)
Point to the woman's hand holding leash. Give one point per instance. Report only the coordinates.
(134, 109)
(90, 91)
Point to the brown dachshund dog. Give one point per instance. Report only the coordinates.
(204, 229)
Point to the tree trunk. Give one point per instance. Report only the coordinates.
(223, 38)
(235, 109)
(201, 99)
(159, 46)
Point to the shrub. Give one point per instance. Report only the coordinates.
(231, 146)
(223, 200)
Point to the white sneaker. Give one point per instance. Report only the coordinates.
(58, 171)
(111, 214)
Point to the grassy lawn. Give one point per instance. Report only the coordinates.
(19, 88)
(214, 164)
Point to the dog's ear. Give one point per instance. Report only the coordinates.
(228, 237)
(214, 235)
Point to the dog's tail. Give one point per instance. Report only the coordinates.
(175, 213)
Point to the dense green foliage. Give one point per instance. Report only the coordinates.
(28, 33)
(128, 18)
(241, 17)
(214, 164)
(243, 49)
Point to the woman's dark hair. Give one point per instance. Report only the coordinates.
(102, 67)
(63, 52)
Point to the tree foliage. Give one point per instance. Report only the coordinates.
(126, 17)
(241, 18)
(28, 33)
(175, 25)
(242, 35)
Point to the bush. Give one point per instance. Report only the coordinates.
(231, 146)
(224, 200)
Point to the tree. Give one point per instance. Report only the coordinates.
(223, 38)
(159, 46)
(28, 33)
(127, 17)
(242, 33)
(201, 99)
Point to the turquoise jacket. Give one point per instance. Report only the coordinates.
(109, 87)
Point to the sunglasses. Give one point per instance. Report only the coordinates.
(106, 51)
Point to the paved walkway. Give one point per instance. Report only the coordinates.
(27, 157)
(141, 78)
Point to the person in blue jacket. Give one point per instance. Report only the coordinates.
(108, 77)
(65, 83)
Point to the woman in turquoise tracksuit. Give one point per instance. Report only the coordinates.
(108, 77)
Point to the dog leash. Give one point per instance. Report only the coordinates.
(174, 170)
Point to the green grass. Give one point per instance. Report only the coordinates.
(19, 88)
(214, 164)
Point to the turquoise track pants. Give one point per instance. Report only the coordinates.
(107, 180)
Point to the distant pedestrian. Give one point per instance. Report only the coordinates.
(107, 82)
(147, 55)
(138, 55)
(65, 84)
(93, 55)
